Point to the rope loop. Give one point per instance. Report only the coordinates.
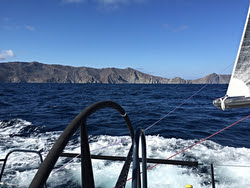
(222, 101)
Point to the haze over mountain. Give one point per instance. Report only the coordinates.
(35, 72)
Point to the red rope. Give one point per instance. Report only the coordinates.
(199, 142)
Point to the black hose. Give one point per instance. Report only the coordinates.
(79, 122)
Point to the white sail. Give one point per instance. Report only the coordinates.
(239, 84)
(238, 91)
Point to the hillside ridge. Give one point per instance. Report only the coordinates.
(35, 72)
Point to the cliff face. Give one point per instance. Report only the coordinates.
(34, 72)
(213, 79)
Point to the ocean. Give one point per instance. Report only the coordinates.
(32, 116)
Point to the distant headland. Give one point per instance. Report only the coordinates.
(35, 72)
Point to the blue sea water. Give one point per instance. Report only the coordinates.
(32, 116)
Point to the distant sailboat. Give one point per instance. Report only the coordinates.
(238, 92)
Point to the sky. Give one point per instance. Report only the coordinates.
(168, 38)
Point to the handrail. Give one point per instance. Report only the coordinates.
(86, 166)
(212, 175)
(149, 160)
(87, 173)
(136, 182)
(19, 150)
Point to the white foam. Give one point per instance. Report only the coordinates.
(21, 168)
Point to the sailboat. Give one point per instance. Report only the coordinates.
(238, 92)
(238, 95)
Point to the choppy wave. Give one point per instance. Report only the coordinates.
(20, 169)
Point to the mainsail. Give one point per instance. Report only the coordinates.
(238, 92)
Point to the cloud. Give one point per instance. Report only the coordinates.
(182, 28)
(6, 54)
(6, 19)
(112, 1)
(175, 30)
(115, 4)
(111, 4)
(30, 28)
(8, 24)
(106, 4)
(72, 1)
(165, 26)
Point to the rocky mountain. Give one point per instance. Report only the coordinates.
(213, 79)
(34, 72)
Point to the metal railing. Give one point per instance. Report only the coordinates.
(86, 166)
(19, 151)
(47, 165)
(136, 174)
